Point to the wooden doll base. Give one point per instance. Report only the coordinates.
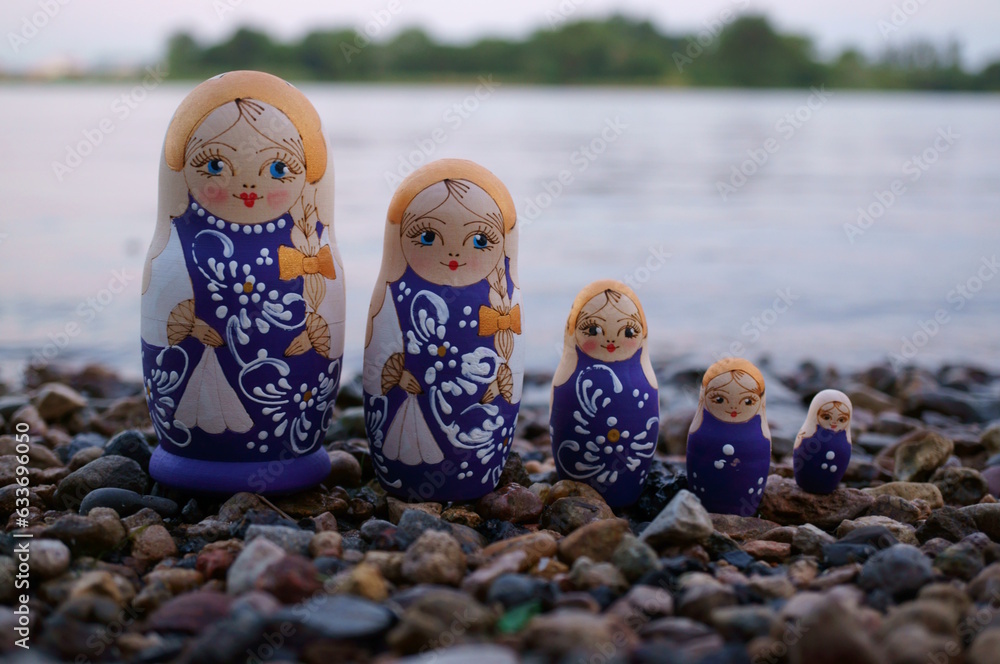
(268, 477)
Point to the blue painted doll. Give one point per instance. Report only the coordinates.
(823, 445)
(605, 411)
(729, 443)
(243, 292)
(443, 363)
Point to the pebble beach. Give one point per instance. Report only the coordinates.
(901, 564)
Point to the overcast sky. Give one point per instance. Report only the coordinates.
(101, 32)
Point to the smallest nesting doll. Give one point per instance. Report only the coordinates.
(605, 408)
(823, 446)
(729, 442)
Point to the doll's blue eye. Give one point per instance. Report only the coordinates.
(214, 166)
(279, 169)
(480, 241)
(427, 238)
(718, 399)
(594, 330)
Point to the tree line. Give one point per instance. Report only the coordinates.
(744, 52)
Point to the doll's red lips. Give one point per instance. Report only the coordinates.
(453, 265)
(611, 348)
(733, 414)
(248, 199)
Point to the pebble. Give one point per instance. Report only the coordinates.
(904, 533)
(100, 532)
(152, 544)
(337, 617)
(768, 551)
(291, 540)
(785, 503)
(55, 401)
(910, 491)
(79, 443)
(83, 457)
(435, 557)
(132, 445)
(899, 572)
(683, 521)
(635, 558)
(512, 503)
(191, 613)
(810, 540)
(986, 518)
(511, 590)
(250, 564)
(328, 543)
(436, 617)
(743, 623)
(533, 546)
(985, 647)
(596, 540)
(365, 580)
(919, 454)
(585, 574)
(960, 486)
(397, 507)
(49, 558)
(990, 439)
(960, 561)
(896, 508)
(566, 515)
(291, 579)
(479, 653)
(110, 471)
(570, 630)
(345, 470)
(126, 502)
(741, 528)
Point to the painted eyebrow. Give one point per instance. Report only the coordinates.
(596, 316)
(225, 145)
(749, 392)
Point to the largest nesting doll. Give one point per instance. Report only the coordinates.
(443, 363)
(729, 442)
(243, 292)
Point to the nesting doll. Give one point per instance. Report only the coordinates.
(729, 443)
(443, 363)
(243, 292)
(823, 446)
(605, 408)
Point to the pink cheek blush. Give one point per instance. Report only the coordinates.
(279, 200)
(214, 194)
(589, 346)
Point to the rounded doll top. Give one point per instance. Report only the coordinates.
(732, 391)
(607, 324)
(453, 223)
(247, 145)
(830, 410)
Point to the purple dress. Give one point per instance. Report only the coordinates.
(604, 423)
(443, 444)
(820, 461)
(234, 272)
(727, 465)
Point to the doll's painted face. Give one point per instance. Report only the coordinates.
(452, 233)
(733, 396)
(609, 327)
(245, 163)
(834, 416)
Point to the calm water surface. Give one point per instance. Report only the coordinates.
(763, 268)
